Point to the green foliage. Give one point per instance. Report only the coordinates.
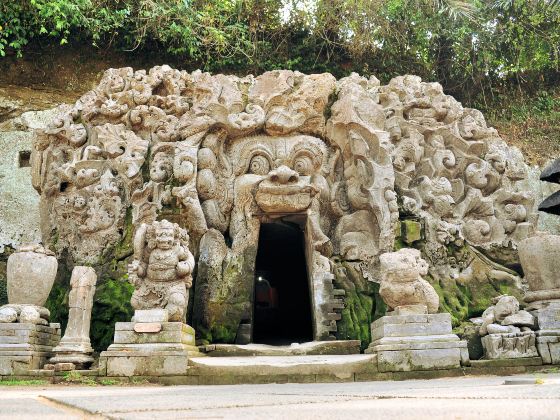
(475, 49)
(111, 304)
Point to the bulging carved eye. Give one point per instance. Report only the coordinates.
(259, 165)
(303, 165)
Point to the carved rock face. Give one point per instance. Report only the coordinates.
(219, 155)
(282, 168)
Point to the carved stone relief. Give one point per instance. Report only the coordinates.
(219, 155)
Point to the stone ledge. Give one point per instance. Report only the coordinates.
(414, 360)
(520, 361)
(418, 345)
(411, 319)
(191, 378)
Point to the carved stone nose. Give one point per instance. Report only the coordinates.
(284, 175)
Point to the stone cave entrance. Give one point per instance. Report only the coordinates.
(282, 299)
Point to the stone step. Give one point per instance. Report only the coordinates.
(267, 368)
(338, 347)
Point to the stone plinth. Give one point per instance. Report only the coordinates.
(509, 345)
(416, 342)
(548, 335)
(150, 349)
(26, 346)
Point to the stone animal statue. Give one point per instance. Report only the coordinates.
(161, 271)
(402, 286)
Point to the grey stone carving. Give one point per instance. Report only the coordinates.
(412, 336)
(402, 287)
(75, 346)
(507, 331)
(221, 155)
(31, 272)
(161, 271)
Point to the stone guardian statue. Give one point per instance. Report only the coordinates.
(161, 271)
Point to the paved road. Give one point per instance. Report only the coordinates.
(452, 398)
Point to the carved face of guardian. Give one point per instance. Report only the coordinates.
(283, 170)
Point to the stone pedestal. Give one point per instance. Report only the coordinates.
(153, 348)
(406, 343)
(548, 336)
(25, 346)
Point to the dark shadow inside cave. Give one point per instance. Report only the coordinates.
(282, 303)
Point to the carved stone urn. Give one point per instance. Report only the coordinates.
(540, 259)
(31, 272)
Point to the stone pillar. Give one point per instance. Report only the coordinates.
(75, 346)
(412, 336)
(540, 259)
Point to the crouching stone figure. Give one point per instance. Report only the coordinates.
(161, 271)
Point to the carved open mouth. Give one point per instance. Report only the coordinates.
(279, 198)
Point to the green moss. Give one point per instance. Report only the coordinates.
(411, 231)
(362, 304)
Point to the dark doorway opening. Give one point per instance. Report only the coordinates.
(282, 305)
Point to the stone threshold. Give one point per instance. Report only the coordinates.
(338, 347)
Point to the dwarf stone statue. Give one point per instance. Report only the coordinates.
(402, 287)
(161, 271)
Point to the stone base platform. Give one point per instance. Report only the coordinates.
(338, 347)
(548, 346)
(548, 336)
(405, 343)
(263, 369)
(509, 345)
(149, 349)
(25, 347)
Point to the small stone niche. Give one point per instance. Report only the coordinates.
(24, 159)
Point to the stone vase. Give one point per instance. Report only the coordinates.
(30, 277)
(540, 259)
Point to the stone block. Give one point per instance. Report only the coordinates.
(412, 360)
(164, 353)
(64, 367)
(407, 329)
(549, 349)
(509, 345)
(411, 231)
(25, 347)
(132, 337)
(147, 327)
(549, 318)
(154, 365)
(150, 315)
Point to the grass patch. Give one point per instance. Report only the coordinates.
(74, 377)
(23, 382)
